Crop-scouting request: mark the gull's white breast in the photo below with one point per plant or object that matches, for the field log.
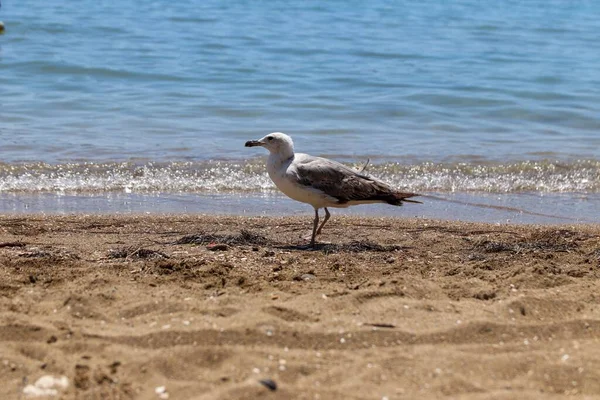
(284, 176)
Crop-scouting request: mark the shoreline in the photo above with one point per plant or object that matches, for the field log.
(520, 208)
(207, 306)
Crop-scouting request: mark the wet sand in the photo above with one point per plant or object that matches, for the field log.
(384, 308)
(517, 208)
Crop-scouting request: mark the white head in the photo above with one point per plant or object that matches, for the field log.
(276, 142)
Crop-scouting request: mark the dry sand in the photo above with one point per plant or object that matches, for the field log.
(391, 308)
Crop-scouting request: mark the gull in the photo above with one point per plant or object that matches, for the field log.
(320, 182)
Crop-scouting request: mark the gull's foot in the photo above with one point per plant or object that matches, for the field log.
(307, 238)
(307, 243)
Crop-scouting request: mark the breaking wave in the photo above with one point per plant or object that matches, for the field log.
(250, 176)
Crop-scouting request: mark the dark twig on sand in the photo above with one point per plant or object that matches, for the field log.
(245, 237)
(136, 253)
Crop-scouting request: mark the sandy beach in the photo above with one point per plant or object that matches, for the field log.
(384, 308)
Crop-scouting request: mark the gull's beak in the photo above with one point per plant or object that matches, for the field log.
(253, 143)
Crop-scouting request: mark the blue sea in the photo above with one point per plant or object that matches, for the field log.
(490, 108)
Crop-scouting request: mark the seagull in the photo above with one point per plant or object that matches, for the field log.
(320, 182)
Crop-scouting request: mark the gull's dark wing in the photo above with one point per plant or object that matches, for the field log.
(345, 184)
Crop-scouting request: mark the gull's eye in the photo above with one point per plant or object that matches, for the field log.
(270, 138)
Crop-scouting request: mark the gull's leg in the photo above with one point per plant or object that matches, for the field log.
(327, 215)
(315, 224)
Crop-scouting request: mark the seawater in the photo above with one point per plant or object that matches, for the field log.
(150, 98)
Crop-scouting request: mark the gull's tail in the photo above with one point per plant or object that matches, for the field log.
(397, 198)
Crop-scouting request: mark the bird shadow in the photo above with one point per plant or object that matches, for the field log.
(246, 237)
